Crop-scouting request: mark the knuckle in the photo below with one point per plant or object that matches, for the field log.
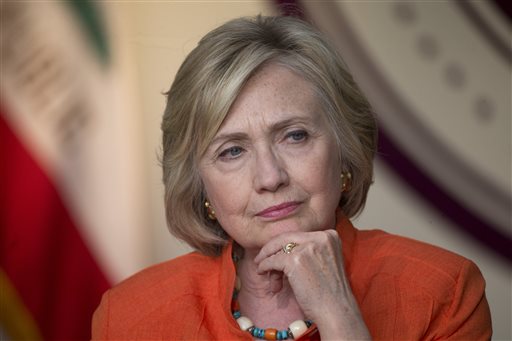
(332, 234)
(309, 248)
(327, 237)
(297, 259)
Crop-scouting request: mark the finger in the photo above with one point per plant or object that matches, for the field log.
(276, 281)
(275, 246)
(273, 263)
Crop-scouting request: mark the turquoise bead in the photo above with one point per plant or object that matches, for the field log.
(282, 335)
(261, 333)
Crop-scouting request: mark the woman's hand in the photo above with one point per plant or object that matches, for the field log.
(315, 272)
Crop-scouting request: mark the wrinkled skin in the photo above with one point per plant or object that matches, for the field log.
(272, 176)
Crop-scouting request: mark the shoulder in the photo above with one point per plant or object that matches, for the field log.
(182, 274)
(408, 259)
(435, 290)
(145, 302)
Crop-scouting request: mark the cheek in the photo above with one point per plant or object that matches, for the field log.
(323, 179)
(227, 194)
(208, 187)
(324, 170)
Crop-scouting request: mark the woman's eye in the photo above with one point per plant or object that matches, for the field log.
(297, 136)
(231, 153)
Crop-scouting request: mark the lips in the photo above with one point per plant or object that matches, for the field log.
(279, 211)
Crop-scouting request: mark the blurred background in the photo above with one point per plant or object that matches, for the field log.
(81, 203)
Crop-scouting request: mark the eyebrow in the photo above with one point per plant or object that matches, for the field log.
(273, 127)
(229, 136)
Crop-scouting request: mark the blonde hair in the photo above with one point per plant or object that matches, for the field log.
(209, 81)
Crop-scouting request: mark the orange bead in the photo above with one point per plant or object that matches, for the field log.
(270, 334)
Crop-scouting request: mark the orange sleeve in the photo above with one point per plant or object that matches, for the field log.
(427, 302)
(100, 319)
(179, 319)
(468, 317)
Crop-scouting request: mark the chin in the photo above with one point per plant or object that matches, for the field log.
(278, 228)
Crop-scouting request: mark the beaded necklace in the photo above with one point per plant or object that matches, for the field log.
(294, 331)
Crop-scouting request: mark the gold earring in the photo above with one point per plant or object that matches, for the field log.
(346, 181)
(210, 213)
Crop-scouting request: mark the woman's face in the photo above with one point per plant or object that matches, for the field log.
(273, 166)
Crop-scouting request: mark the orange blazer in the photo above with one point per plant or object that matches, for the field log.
(406, 290)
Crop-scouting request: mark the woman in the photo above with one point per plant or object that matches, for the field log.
(267, 152)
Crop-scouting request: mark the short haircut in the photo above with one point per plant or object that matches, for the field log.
(209, 81)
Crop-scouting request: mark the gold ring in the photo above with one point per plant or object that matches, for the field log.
(289, 247)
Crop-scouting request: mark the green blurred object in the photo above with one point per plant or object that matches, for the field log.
(92, 21)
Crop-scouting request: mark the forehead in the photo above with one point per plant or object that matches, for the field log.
(274, 93)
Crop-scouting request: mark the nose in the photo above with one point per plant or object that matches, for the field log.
(269, 171)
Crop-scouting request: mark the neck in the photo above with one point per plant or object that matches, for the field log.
(261, 286)
(266, 298)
